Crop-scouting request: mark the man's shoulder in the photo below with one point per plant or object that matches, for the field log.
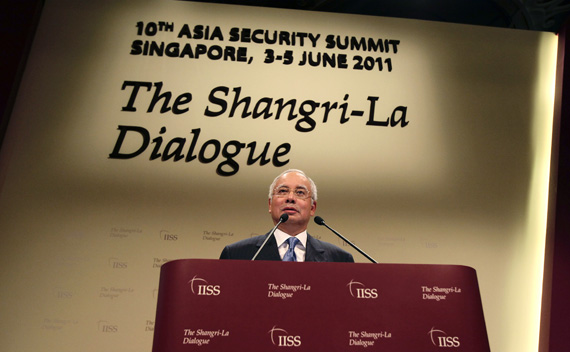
(322, 244)
(247, 241)
(243, 249)
(330, 251)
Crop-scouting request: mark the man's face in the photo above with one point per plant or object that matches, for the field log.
(299, 210)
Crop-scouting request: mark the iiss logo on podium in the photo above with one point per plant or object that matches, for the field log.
(201, 287)
(440, 338)
(281, 338)
(359, 290)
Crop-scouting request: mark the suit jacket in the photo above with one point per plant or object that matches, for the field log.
(317, 251)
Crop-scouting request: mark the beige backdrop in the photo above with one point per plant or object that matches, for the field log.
(84, 235)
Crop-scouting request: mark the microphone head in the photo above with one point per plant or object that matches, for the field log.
(284, 217)
(319, 220)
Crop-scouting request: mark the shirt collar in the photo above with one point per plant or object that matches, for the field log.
(281, 237)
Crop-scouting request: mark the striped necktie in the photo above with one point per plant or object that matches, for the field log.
(290, 255)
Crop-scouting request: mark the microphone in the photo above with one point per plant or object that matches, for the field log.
(320, 221)
(284, 217)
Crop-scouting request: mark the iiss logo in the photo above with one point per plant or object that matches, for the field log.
(359, 290)
(166, 235)
(201, 287)
(106, 327)
(116, 263)
(439, 338)
(281, 338)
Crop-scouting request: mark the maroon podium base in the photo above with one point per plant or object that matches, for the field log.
(227, 305)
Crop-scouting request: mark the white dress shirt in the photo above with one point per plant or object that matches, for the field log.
(282, 244)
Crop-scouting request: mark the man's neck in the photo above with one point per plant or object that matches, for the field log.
(292, 230)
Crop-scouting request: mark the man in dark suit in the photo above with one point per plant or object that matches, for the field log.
(295, 194)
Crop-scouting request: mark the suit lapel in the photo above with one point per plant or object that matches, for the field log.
(315, 252)
(270, 251)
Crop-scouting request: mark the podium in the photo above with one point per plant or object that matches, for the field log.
(235, 305)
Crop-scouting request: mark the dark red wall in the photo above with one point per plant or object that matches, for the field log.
(558, 270)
